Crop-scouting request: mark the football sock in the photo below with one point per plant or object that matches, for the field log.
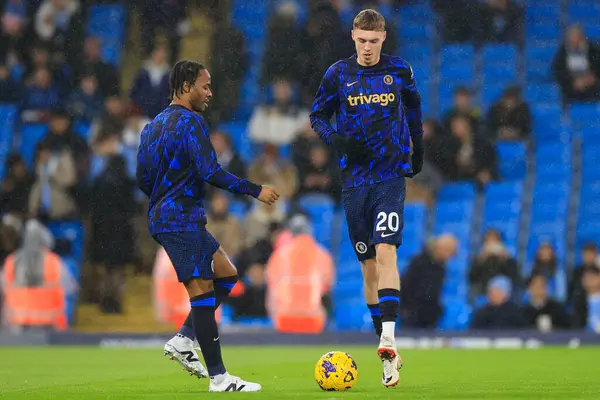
(207, 332)
(376, 317)
(187, 329)
(223, 287)
(389, 301)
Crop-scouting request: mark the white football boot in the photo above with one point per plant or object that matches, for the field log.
(230, 383)
(391, 361)
(182, 349)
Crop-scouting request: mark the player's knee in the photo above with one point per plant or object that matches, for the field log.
(386, 255)
(197, 287)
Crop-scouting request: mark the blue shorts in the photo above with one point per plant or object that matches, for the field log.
(375, 214)
(190, 252)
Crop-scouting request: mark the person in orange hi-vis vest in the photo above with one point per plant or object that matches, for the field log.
(298, 275)
(35, 282)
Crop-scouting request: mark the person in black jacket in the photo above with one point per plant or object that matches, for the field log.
(577, 67)
(423, 281)
(577, 296)
(500, 312)
(542, 312)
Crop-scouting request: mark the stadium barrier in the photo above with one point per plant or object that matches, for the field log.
(404, 339)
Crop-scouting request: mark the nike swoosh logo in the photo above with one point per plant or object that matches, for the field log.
(387, 234)
(351, 83)
(215, 339)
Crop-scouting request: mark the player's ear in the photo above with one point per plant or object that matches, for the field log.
(352, 34)
(186, 87)
(384, 36)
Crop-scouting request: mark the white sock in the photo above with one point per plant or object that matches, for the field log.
(218, 379)
(388, 329)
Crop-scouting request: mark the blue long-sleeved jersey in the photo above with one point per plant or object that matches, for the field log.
(379, 105)
(175, 158)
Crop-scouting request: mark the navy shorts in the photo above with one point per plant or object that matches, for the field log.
(375, 214)
(190, 252)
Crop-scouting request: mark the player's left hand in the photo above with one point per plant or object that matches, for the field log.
(268, 195)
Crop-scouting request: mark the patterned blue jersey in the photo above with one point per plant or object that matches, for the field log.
(379, 105)
(175, 158)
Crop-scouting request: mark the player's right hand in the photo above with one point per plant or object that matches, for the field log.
(268, 195)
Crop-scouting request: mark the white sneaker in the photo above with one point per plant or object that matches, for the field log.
(391, 361)
(230, 383)
(181, 349)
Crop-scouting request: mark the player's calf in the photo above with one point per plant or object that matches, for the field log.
(371, 285)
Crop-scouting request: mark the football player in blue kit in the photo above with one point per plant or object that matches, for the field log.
(378, 116)
(175, 161)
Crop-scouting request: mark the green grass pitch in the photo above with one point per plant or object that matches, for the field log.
(287, 372)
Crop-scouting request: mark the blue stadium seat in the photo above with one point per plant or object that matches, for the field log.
(416, 14)
(545, 93)
(321, 209)
(457, 74)
(31, 134)
(542, 32)
(547, 120)
(492, 92)
(457, 54)
(499, 73)
(592, 31)
(238, 208)
(512, 160)
(552, 153)
(457, 191)
(548, 13)
(415, 34)
(543, 54)
(499, 54)
(585, 115)
(584, 12)
(71, 231)
(538, 72)
(590, 136)
(497, 191)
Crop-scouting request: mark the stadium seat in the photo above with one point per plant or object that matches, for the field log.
(71, 231)
(542, 54)
(460, 54)
(543, 13)
(457, 191)
(579, 12)
(499, 54)
(31, 134)
(321, 209)
(512, 160)
(585, 115)
(542, 94)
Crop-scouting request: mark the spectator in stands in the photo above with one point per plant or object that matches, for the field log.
(306, 138)
(15, 187)
(591, 284)
(577, 67)
(270, 167)
(321, 176)
(277, 123)
(10, 235)
(460, 20)
(60, 73)
(326, 42)
(423, 281)
(545, 262)
(111, 122)
(259, 223)
(463, 107)
(229, 63)
(59, 23)
(284, 46)
(50, 196)
(502, 21)
(167, 16)
(61, 137)
(40, 97)
(106, 75)
(113, 244)
(500, 312)
(510, 118)
(473, 157)
(29, 265)
(13, 28)
(262, 248)
(150, 91)
(493, 260)
(251, 303)
(422, 188)
(10, 89)
(223, 226)
(577, 296)
(85, 103)
(543, 313)
(227, 157)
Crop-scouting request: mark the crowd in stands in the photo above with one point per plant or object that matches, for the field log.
(83, 164)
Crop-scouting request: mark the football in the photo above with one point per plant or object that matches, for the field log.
(336, 371)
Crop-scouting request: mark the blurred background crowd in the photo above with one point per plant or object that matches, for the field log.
(502, 226)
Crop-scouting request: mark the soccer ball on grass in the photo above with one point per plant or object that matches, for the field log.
(336, 371)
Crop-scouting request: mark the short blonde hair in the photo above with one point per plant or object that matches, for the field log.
(369, 20)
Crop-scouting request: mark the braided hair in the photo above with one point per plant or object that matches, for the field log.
(182, 72)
